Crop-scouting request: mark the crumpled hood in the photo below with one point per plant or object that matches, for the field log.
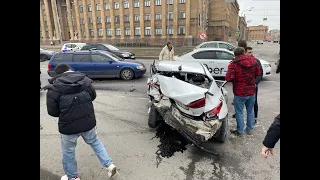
(244, 61)
(69, 82)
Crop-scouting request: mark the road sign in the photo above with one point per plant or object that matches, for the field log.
(202, 36)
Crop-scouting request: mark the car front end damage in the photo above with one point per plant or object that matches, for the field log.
(197, 110)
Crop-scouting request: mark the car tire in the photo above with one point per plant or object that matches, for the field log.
(43, 57)
(126, 74)
(223, 131)
(154, 117)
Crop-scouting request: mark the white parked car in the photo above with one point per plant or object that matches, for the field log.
(216, 44)
(185, 96)
(217, 60)
(260, 42)
(72, 47)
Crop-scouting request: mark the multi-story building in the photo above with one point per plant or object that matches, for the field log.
(136, 21)
(257, 32)
(242, 28)
(274, 34)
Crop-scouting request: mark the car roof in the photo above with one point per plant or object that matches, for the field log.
(209, 48)
(192, 67)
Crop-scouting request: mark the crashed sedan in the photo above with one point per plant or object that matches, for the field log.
(185, 96)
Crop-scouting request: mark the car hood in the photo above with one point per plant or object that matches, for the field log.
(263, 61)
(48, 51)
(122, 52)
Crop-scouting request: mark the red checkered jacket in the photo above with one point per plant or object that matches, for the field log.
(242, 72)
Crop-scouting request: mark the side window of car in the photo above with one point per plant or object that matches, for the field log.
(224, 55)
(73, 46)
(86, 47)
(203, 55)
(224, 46)
(211, 45)
(81, 58)
(98, 58)
(62, 57)
(101, 47)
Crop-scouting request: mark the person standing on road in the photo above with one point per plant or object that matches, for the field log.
(167, 53)
(242, 72)
(69, 97)
(272, 137)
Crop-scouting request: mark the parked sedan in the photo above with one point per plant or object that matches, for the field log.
(217, 60)
(46, 54)
(98, 64)
(124, 54)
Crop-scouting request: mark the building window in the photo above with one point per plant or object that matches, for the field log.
(169, 1)
(89, 8)
(147, 31)
(182, 15)
(83, 32)
(107, 6)
(158, 31)
(137, 31)
(118, 32)
(147, 17)
(117, 19)
(109, 32)
(181, 30)
(147, 3)
(127, 32)
(137, 17)
(116, 5)
(182, 1)
(158, 2)
(126, 4)
(90, 20)
(100, 33)
(81, 21)
(158, 16)
(99, 19)
(98, 7)
(170, 15)
(126, 18)
(108, 20)
(136, 3)
(81, 8)
(170, 30)
(91, 32)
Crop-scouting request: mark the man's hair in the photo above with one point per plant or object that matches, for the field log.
(248, 48)
(242, 43)
(168, 43)
(61, 68)
(239, 51)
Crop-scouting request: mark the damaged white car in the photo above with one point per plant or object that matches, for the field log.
(185, 96)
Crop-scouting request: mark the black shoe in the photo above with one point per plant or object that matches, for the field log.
(255, 121)
(234, 116)
(235, 132)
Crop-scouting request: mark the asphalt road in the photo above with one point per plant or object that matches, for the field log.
(122, 126)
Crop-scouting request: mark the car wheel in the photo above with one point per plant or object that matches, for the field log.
(43, 57)
(126, 74)
(223, 131)
(154, 117)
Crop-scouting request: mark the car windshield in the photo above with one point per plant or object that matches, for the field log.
(113, 56)
(112, 48)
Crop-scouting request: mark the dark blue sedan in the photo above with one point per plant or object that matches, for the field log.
(98, 64)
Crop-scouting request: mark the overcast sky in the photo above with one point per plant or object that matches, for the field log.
(261, 8)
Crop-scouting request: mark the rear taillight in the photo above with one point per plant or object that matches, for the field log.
(198, 103)
(214, 112)
(49, 67)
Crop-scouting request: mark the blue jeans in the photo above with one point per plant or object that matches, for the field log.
(239, 102)
(68, 145)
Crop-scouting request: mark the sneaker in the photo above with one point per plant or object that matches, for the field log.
(65, 177)
(111, 170)
(235, 132)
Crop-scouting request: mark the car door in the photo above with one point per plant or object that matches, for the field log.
(205, 57)
(83, 63)
(222, 59)
(104, 67)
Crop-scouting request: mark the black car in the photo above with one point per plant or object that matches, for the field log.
(46, 54)
(124, 54)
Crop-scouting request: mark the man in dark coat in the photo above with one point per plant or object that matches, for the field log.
(69, 97)
(272, 137)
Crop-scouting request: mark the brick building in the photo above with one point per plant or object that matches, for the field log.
(257, 32)
(135, 21)
(243, 33)
(274, 34)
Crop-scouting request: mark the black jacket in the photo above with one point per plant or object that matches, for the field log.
(70, 97)
(278, 67)
(258, 78)
(273, 134)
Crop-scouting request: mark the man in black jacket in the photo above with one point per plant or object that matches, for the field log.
(69, 97)
(272, 137)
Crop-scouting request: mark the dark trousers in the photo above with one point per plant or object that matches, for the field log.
(256, 104)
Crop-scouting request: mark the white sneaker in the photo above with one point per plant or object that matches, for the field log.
(65, 177)
(111, 170)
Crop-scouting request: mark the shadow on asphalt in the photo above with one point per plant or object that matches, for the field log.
(46, 175)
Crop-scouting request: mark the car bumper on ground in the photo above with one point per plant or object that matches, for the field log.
(140, 72)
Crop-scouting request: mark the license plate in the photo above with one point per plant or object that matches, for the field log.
(132, 56)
